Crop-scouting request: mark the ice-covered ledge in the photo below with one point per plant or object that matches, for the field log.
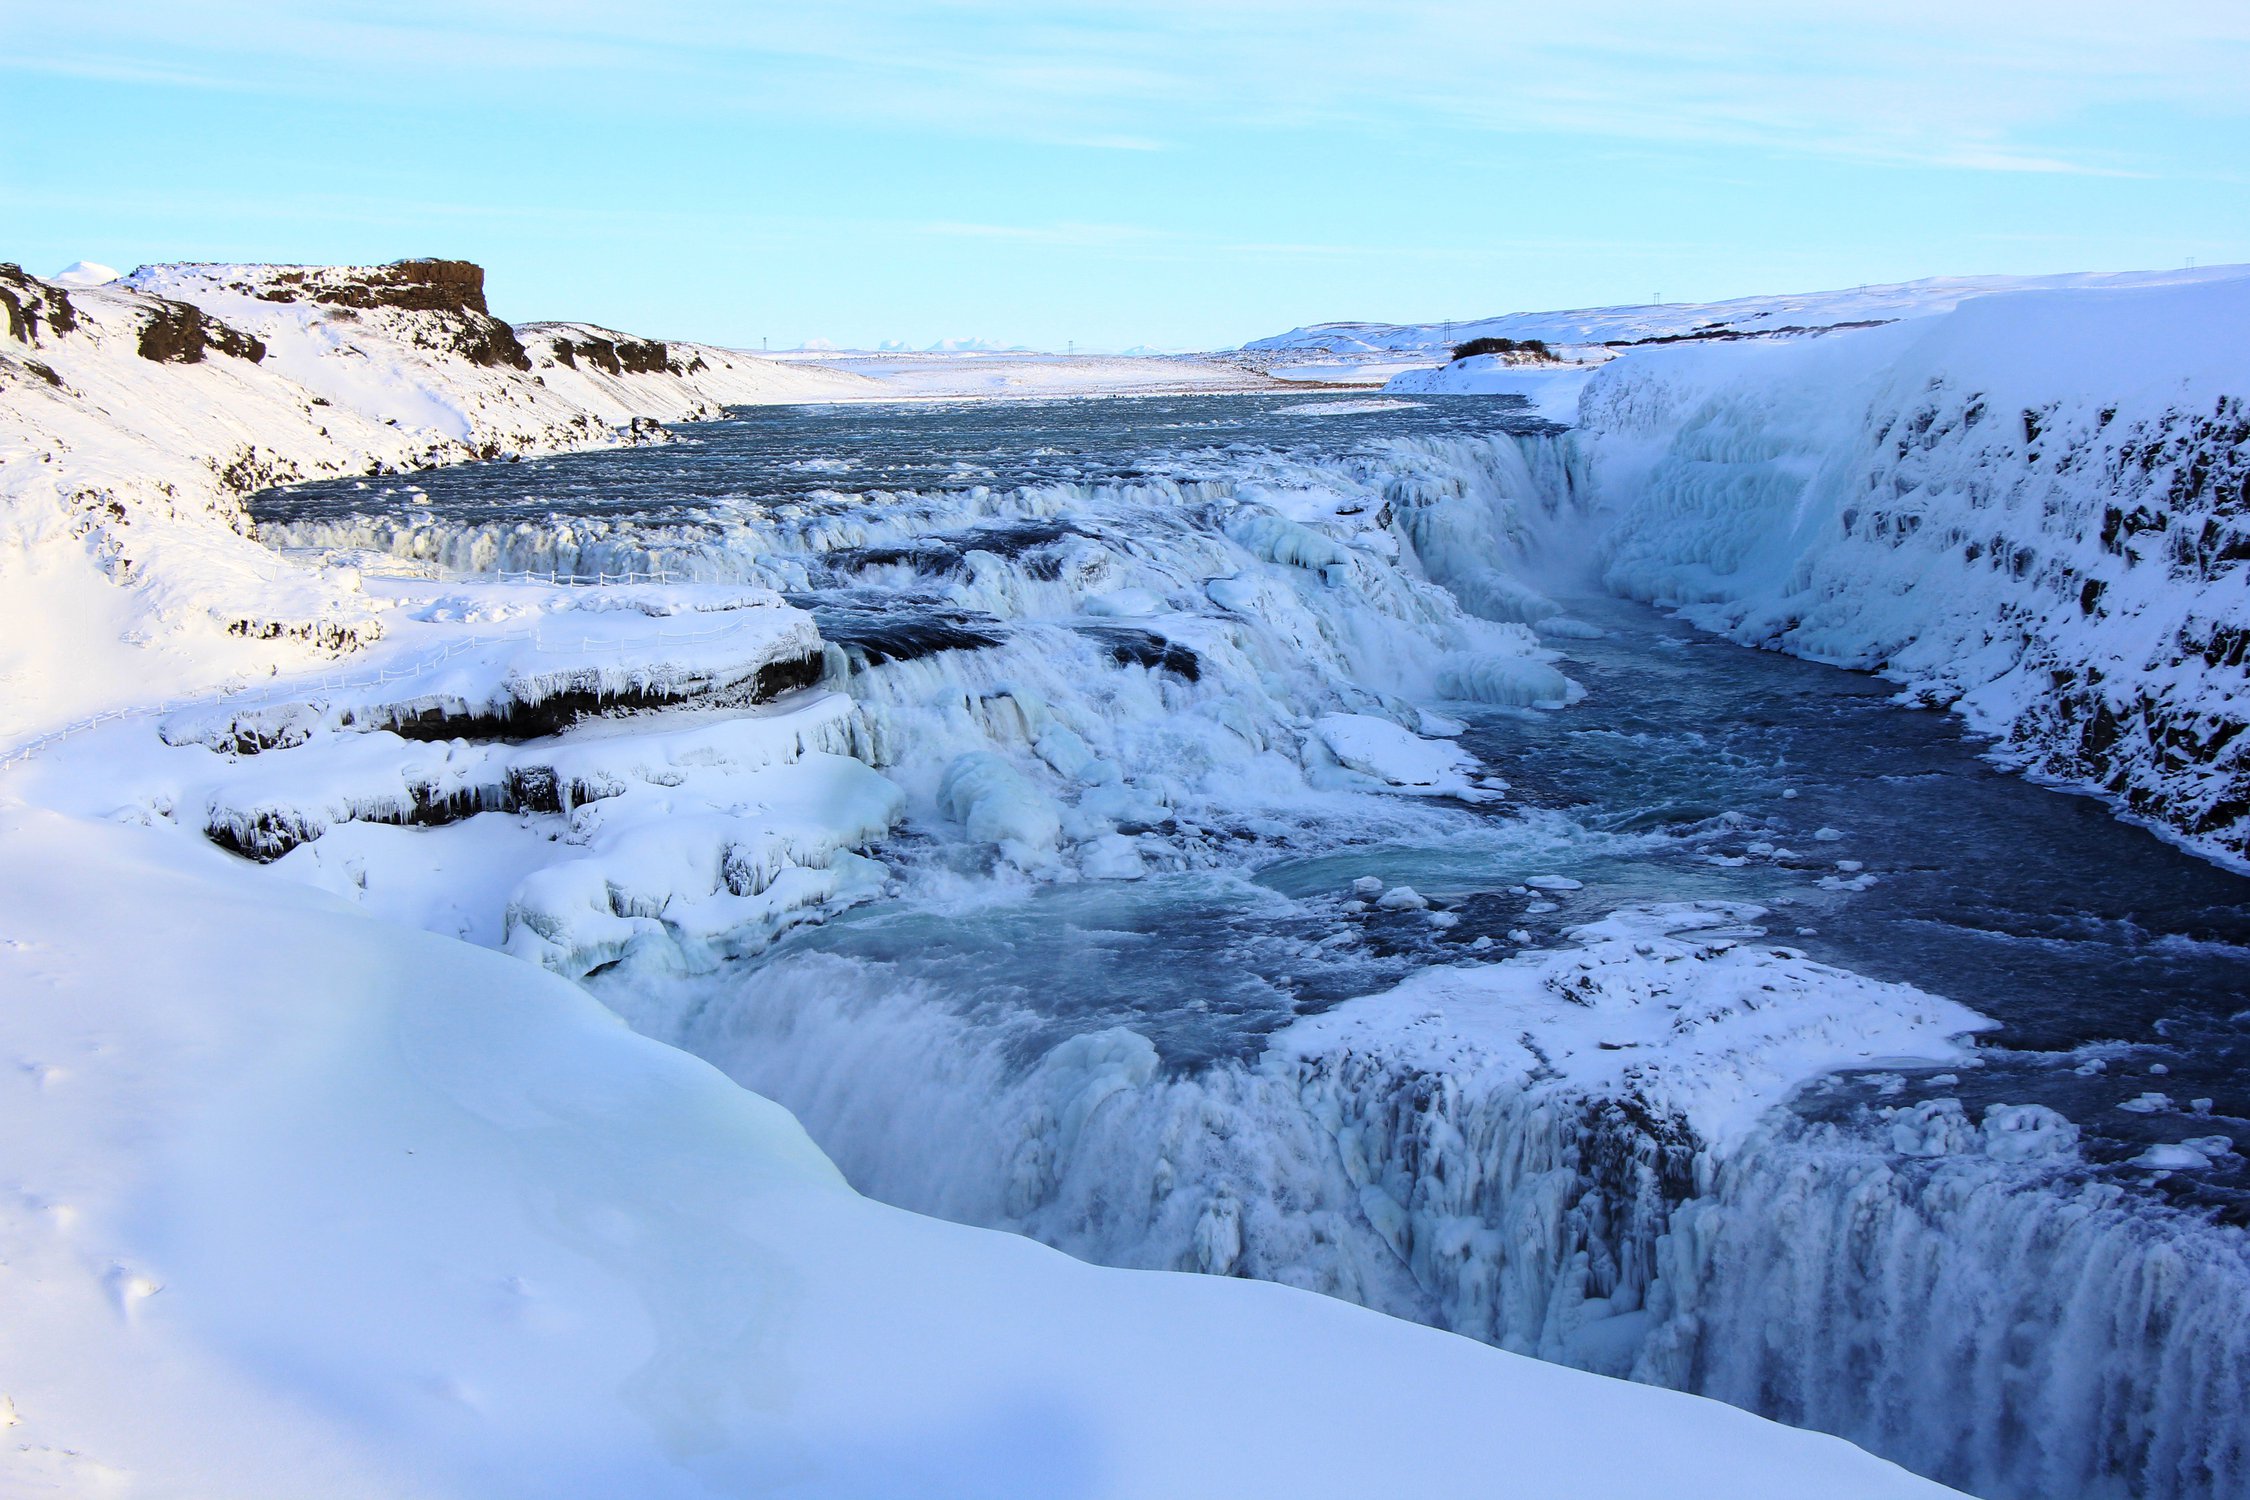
(514, 1250)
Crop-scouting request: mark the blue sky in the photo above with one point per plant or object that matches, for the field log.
(1176, 174)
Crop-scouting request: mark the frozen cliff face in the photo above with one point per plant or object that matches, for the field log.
(2035, 509)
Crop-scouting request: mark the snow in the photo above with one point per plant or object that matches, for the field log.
(434, 1224)
(124, 557)
(448, 773)
(1672, 1005)
(2014, 495)
(84, 273)
(693, 840)
(120, 482)
(2021, 508)
(439, 1225)
(975, 372)
(1351, 344)
(1379, 748)
(1492, 1147)
(1551, 391)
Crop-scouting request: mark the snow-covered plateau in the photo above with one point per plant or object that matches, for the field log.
(1199, 831)
(2024, 498)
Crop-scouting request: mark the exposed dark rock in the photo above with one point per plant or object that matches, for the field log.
(326, 635)
(872, 637)
(944, 556)
(272, 832)
(516, 721)
(617, 356)
(180, 333)
(454, 289)
(455, 286)
(1730, 335)
(1129, 647)
(34, 308)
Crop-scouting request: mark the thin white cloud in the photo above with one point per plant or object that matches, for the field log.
(1998, 86)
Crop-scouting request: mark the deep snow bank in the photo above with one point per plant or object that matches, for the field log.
(439, 1226)
(135, 415)
(2035, 508)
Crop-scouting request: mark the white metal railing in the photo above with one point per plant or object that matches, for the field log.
(578, 580)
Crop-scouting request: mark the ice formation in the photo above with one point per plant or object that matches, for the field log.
(1571, 1148)
(2031, 509)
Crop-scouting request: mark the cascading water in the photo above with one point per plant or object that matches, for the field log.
(1971, 1300)
(1105, 648)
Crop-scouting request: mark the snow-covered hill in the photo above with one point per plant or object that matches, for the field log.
(135, 415)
